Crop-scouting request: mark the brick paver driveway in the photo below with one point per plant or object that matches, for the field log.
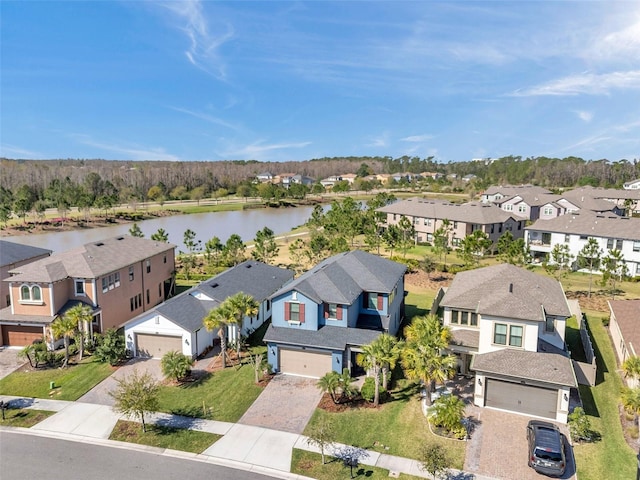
(286, 404)
(9, 361)
(498, 447)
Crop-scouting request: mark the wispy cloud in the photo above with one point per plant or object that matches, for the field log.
(585, 83)
(134, 152)
(584, 115)
(417, 138)
(203, 51)
(209, 118)
(257, 150)
(378, 141)
(13, 151)
(619, 43)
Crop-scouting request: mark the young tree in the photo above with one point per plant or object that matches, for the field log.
(135, 231)
(258, 363)
(265, 247)
(390, 349)
(447, 412)
(321, 434)
(242, 305)
(559, 262)
(297, 254)
(391, 236)
(136, 395)
(221, 317)
(330, 383)
(434, 459)
(580, 426)
(110, 347)
(589, 257)
(23, 201)
(176, 365)
(160, 236)
(65, 327)
(614, 269)
(234, 250)
(6, 204)
(213, 249)
(474, 247)
(441, 239)
(407, 234)
(351, 456)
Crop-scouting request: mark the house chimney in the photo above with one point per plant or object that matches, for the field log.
(511, 288)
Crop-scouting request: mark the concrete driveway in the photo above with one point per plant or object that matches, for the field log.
(286, 404)
(100, 393)
(498, 446)
(9, 361)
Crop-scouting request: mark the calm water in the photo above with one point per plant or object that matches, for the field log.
(206, 226)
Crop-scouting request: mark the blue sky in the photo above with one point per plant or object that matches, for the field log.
(276, 81)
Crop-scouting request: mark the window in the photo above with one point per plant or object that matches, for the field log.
(547, 211)
(455, 242)
(148, 297)
(546, 238)
(583, 237)
(427, 221)
(8, 299)
(105, 285)
(429, 237)
(500, 334)
(116, 280)
(474, 319)
(464, 318)
(522, 208)
(30, 294)
(148, 263)
(636, 246)
(508, 207)
(515, 336)
(609, 243)
(567, 237)
(618, 244)
(79, 284)
(165, 259)
(549, 325)
(455, 225)
(294, 312)
(160, 290)
(130, 274)
(372, 301)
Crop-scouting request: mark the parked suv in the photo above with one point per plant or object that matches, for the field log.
(546, 448)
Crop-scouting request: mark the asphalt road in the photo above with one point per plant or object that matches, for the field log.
(25, 456)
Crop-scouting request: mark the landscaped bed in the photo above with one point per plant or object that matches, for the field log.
(69, 383)
(163, 437)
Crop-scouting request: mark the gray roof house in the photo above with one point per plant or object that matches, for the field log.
(321, 319)
(177, 323)
(13, 255)
(624, 328)
(508, 327)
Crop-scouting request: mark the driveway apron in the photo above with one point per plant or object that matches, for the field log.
(9, 361)
(286, 404)
(100, 393)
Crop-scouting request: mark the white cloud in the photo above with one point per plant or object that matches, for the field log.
(584, 83)
(208, 118)
(13, 151)
(379, 141)
(619, 44)
(584, 115)
(417, 138)
(256, 150)
(204, 44)
(134, 152)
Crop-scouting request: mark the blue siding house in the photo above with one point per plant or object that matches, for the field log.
(321, 319)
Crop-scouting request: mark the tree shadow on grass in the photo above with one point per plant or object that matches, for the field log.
(404, 393)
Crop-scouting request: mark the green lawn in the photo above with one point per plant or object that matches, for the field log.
(310, 464)
(224, 395)
(163, 437)
(595, 461)
(398, 425)
(23, 417)
(70, 383)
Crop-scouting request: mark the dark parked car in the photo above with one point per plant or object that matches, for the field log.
(546, 448)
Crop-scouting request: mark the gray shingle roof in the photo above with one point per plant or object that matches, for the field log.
(465, 338)
(478, 213)
(507, 291)
(586, 199)
(591, 224)
(91, 260)
(251, 277)
(521, 364)
(343, 277)
(6, 315)
(627, 315)
(509, 190)
(329, 337)
(11, 252)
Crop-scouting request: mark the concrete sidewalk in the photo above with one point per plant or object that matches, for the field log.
(252, 446)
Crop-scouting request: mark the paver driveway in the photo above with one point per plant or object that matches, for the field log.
(100, 393)
(498, 447)
(286, 404)
(9, 361)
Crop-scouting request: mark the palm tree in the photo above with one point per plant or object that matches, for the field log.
(82, 315)
(66, 328)
(448, 412)
(390, 349)
(220, 318)
(631, 367)
(176, 365)
(422, 357)
(631, 401)
(243, 305)
(370, 360)
(330, 383)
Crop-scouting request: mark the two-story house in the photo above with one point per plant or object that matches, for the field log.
(118, 278)
(508, 326)
(321, 319)
(176, 324)
(624, 324)
(612, 232)
(464, 218)
(13, 255)
(632, 185)
(498, 192)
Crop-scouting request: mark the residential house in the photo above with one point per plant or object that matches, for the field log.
(118, 278)
(609, 230)
(508, 327)
(469, 177)
(349, 177)
(177, 324)
(532, 206)
(13, 255)
(429, 215)
(588, 198)
(264, 177)
(329, 182)
(498, 192)
(624, 327)
(632, 185)
(322, 319)
(625, 200)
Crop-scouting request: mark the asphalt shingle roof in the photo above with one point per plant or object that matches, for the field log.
(507, 291)
(510, 190)
(11, 252)
(327, 336)
(478, 213)
(522, 364)
(627, 314)
(91, 260)
(343, 277)
(591, 224)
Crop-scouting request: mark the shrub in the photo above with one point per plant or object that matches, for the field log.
(369, 388)
(110, 347)
(176, 365)
(580, 427)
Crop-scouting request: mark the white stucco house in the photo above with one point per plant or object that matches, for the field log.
(508, 327)
(632, 185)
(177, 323)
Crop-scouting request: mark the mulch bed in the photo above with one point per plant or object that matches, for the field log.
(432, 281)
(328, 405)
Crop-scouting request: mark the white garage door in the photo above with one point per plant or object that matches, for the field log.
(302, 362)
(156, 345)
(515, 397)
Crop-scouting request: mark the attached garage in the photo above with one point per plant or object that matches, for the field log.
(305, 363)
(20, 336)
(515, 397)
(149, 345)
